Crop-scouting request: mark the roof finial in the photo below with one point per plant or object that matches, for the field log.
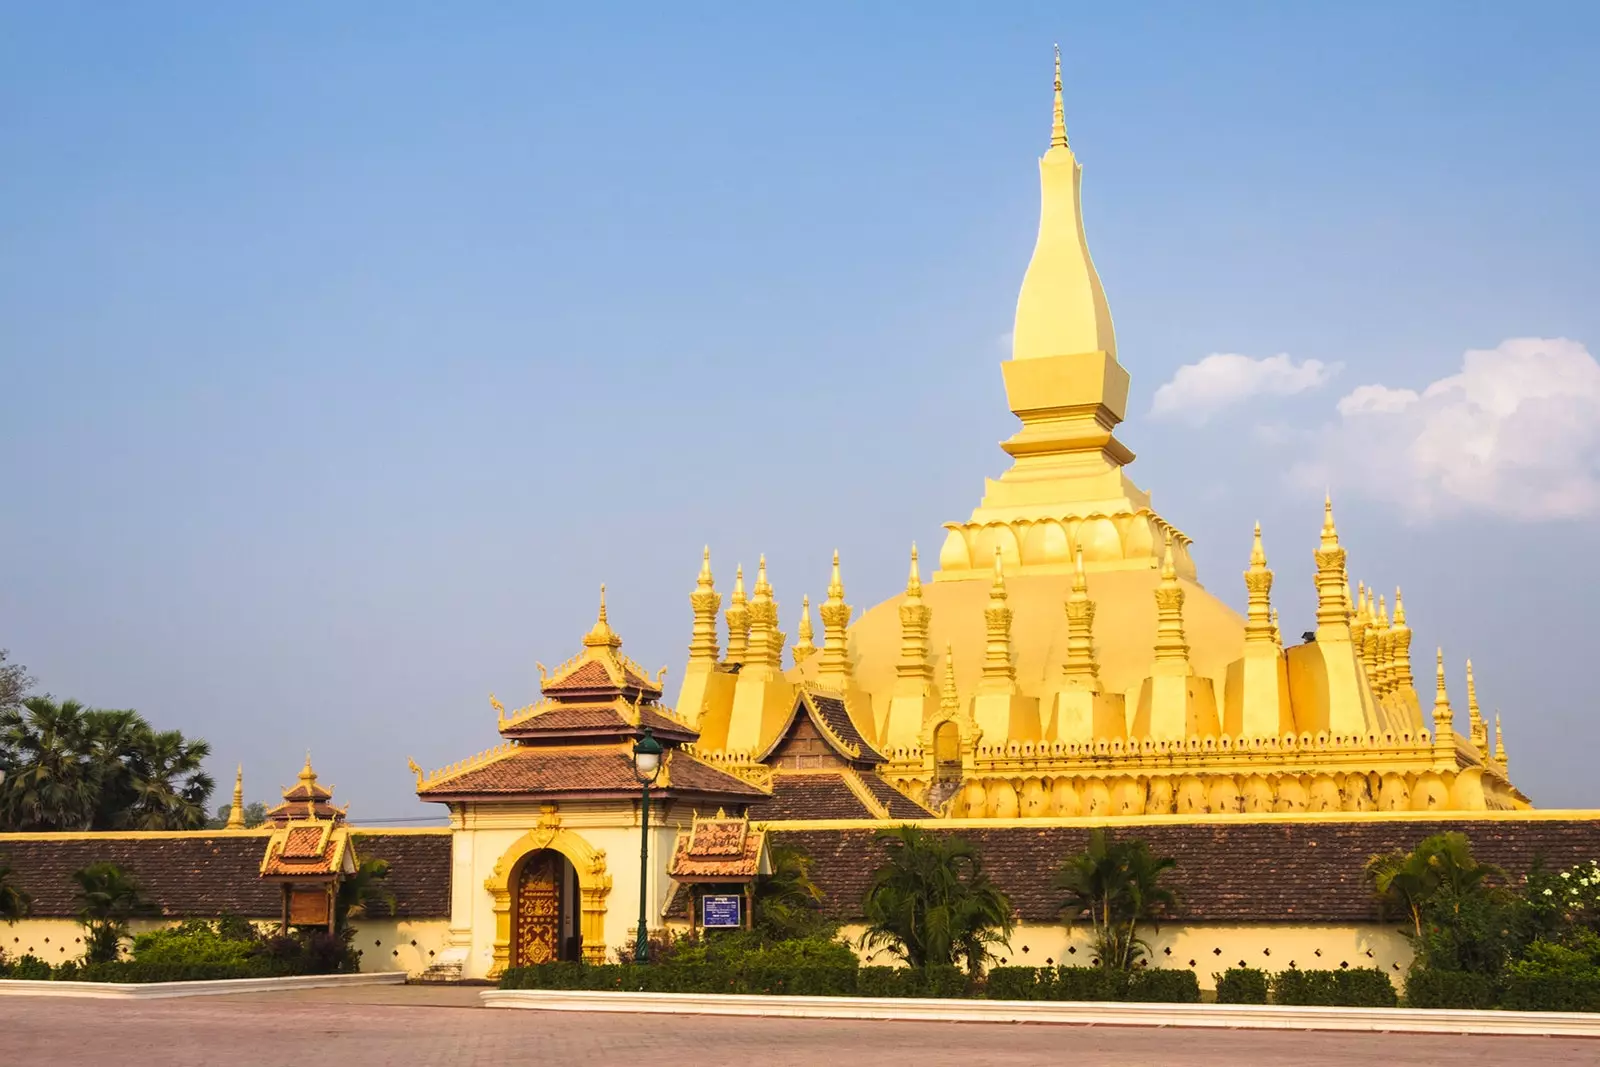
(1258, 555)
(999, 574)
(804, 648)
(601, 634)
(835, 583)
(1058, 127)
(704, 580)
(1499, 745)
(763, 587)
(914, 582)
(1080, 582)
(1169, 570)
(306, 773)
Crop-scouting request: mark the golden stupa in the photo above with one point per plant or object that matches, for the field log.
(1065, 660)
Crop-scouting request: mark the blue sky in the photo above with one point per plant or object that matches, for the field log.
(348, 350)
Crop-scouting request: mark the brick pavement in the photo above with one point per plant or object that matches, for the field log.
(432, 1027)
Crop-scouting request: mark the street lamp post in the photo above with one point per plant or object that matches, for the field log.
(646, 768)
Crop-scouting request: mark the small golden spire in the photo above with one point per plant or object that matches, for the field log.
(704, 601)
(914, 582)
(1171, 642)
(1080, 666)
(1330, 532)
(1443, 717)
(833, 667)
(1080, 581)
(1058, 124)
(1258, 555)
(1258, 625)
(915, 667)
(763, 587)
(602, 636)
(306, 773)
(1477, 729)
(804, 648)
(998, 588)
(999, 672)
(949, 699)
(1169, 570)
(1499, 745)
(738, 616)
(1399, 609)
(236, 812)
(1277, 633)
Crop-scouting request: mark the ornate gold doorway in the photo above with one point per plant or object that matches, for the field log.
(544, 928)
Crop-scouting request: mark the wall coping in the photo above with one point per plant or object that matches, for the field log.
(11, 987)
(1233, 1016)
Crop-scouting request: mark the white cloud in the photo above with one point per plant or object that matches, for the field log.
(1200, 390)
(1516, 433)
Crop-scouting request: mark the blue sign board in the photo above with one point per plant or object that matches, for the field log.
(720, 911)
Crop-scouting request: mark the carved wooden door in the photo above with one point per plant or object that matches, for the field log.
(538, 938)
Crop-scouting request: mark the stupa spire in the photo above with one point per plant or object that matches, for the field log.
(236, 812)
(1499, 746)
(738, 616)
(1333, 590)
(803, 648)
(1172, 646)
(1444, 734)
(1058, 122)
(999, 672)
(765, 643)
(833, 667)
(705, 600)
(1258, 588)
(1081, 668)
(914, 669)
(1400, 634)
(1477, 728)
(948, 697)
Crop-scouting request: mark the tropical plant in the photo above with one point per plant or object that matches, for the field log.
(1116, 886)
(14, 681)
(255, 813)
(108, 897)
(69, 767)
(1459, 919)
(14, 900)
(788, 904)
(362, 893)
(933, 904)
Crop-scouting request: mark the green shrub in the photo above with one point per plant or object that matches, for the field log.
(1548, 992)
(1355, 987)
(1429, 988)
(28, 968)
(137, 971)
(1017, 983)
(1087, 983)
(194, 942)
(945, 981)
(805, 980)
(1163, 986)
(1241, 985)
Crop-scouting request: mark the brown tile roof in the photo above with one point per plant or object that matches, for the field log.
(833, 711)
(810, 796)
(202, 874)
(717, 849)
(1227, 872)
(898, 804)
(585, 769)
(827, 709)
(305, 850)
(288, 811)
(566, 721)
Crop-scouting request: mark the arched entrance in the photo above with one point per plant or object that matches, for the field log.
(593, 886)
(545, 923)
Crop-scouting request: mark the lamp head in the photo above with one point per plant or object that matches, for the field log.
(647, 756)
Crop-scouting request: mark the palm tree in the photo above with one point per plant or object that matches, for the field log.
(74, 768)
(933, 904)
(1439, 871)
(14, 900)
(362, 893)
(108, 897)
(1117, 886)
(52, 783)
(787, 902)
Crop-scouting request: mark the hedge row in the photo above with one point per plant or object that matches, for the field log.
(1355, 987)
(1426, 988)
(1093, 984)
(31, 968)
(844, 980)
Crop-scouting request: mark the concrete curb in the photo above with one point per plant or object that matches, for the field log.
(1230, 1016)
(164, 990)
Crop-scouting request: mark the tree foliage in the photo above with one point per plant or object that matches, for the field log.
(933, 904)
(108, 897)
(255, 813)
(14, 900)
(362, 893)
(1116, 886)
(788, 904)
(14, 681)
(69, 767)
(1459, 918)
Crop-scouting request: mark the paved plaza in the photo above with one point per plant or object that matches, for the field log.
(445, 1027)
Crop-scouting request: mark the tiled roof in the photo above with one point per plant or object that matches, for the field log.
(288, 811)
(717, 849)
(205, 875)
(305, 849)
(597, 720)
(898, 804)
(810, 796)
(833, 711)
(580, 769)
(1226, 872)
(827, 709)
